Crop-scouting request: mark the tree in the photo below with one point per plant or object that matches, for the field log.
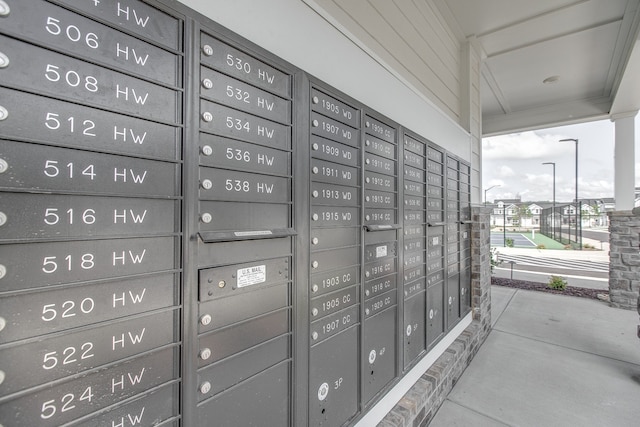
(523, 211)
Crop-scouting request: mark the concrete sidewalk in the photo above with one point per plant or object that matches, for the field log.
(550, 360)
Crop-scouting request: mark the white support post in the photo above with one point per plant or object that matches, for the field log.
(624, 163)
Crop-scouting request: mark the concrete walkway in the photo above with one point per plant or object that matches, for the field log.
(550, 360)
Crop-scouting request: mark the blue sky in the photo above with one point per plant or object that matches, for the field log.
(515, 162)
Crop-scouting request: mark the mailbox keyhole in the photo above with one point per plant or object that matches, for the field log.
(323, 410)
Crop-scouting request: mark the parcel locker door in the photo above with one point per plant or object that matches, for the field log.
(435, 313)
(414, 327)
(453, 299)
(378, 355)
(333, 379)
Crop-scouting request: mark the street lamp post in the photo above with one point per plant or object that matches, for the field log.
(578, 211)
(485, 192)
(553, 215)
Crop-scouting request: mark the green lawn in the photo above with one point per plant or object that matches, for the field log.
(548, 243)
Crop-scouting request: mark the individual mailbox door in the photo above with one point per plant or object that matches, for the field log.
(147, 372)
(333, 379)
(237, 217)
(238, 337)
(414, 327)
(226, 153)
(332, 238)
(326, 149)
(332, 280)
(233, 370)
(261, 400)
(334, 195)
(379, 352)
(453, 299)
(435, 313)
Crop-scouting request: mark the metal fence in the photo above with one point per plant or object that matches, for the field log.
(562, 224)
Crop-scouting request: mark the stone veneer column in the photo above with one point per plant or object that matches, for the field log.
(481, 266)
(624, 258)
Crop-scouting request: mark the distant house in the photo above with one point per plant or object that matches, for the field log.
(515, 213)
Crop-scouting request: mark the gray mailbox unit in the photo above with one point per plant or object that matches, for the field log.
(194, 232)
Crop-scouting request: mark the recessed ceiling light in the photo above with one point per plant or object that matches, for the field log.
(551, 80)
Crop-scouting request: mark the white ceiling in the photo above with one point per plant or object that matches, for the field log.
(588, 46)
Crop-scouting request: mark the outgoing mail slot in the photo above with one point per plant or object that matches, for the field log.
(379, 129)
(234, 370)
(332, 238)
(414, 327)
(227, 153)
(435, 314)
(414, 145)
(322, 283)
(225, 253)
(220, 184)
(379, 147)
(239, 216)
(376, 181)
(380, 250)
(222, 57)
(411, 274)
(335, 301)
(412, 245)
(334, 259)
(379, 352)
(412, 288)
(414, 202)
(333, 151)
(335, 195)
(414, 160)
(413, 174)
(374, 288)
(71, 125)
(380, 199)
(261, 400)
(380, 216)
(146, 372)
(39, 167)
(334, 362)
(221, 312)
(102, 44)
(338, 110)
(329, 216)
(227, 122)
(32, 314)
(242, 336)
(42, 361)
(333, 173)
(163, 28)
(334, 324)
(60, 216)
(34, 265)
(414, 217)
(379, 164)
(336, 131)
(220, 88)
(81, 81)
(413, 258)
(238, 279)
